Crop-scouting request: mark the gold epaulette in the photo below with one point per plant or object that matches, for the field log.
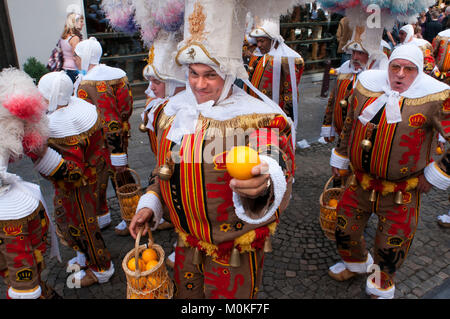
(439, 96)
(243, 122)
(110, 82)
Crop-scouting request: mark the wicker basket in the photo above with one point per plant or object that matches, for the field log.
(128, 195)
(150, 284)
(328, 215)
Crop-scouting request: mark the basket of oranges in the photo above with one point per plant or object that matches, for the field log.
(146, 274)
(128, 196)
(328, 202)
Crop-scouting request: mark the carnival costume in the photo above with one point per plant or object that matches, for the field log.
(387, 138)
(109, 90)
(276, 74)
(24, 223)
(76, 153)
(429, 63)
(441, 45)
(336, 109)
(219, 253)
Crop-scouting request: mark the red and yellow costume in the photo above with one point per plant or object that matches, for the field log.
(441, 45)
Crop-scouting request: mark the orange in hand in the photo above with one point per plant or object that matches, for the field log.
(240, 160)
(439, 150)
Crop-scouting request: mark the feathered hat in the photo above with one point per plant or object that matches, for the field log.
(23, 124)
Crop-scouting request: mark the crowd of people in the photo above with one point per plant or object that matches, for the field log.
(388, 110)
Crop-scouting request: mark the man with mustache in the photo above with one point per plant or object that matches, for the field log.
(392, 120)
(336, 109)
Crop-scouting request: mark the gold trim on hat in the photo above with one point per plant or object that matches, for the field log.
(201, 46)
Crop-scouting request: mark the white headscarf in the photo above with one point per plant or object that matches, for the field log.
(57, 88)
(90, 51)
(409, 30)
(378, 80)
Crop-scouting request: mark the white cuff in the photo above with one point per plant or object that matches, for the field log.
(442, 139)
(327, 131)
(104, 275)
(49, 162)
(104, 220)
(360, 268)
(279, 187)
(372, 289)
(150, 200)
(14, 294)
(338, 161)
(119, 159)
(436, 176)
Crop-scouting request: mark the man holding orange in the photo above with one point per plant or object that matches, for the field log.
(223, 223)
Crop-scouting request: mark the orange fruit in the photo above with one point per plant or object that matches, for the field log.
(240, 160)
(149, 254)
(333, 203)
(132, 264)
(153, 282)
(439, 150)
(152, 263)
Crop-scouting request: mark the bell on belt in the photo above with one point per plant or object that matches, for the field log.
(235, 258)
(366, 145)
(373, 196)
(165, 172)
(398, 199)
(352, 180)
(343, 103)
(143, 128)
(268, 245)
(197, 257)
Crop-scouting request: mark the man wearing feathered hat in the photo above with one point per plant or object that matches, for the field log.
(109, 90)
(76, 152)
(274, 68)
(167, 79)
(223, 223)
(364, 56)
(391, 123)
(24, 220)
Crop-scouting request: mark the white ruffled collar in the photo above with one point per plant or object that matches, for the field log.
(75, 118)
(102, 72)
(186, 110)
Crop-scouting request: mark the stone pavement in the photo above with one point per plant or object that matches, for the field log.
(297, 267)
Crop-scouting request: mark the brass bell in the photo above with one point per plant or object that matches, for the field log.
(366, 145)
(235, 258)
(197, 257)
(343, 103)
(143, 128)
(352, 180)
(373, 196)
(251, 69)
(398, 198)
(165, 172)
(268, 245)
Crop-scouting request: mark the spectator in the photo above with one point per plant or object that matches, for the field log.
(445, 22)
(433, 27)
(70, 37)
